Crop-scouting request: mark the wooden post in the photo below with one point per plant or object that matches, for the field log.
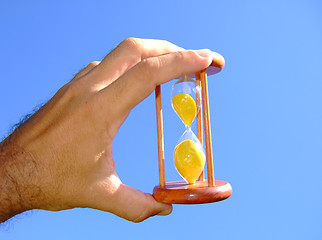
(160, 135)
(207, 128)
(199, 123)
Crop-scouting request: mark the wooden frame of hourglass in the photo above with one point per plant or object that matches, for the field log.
(203, 190)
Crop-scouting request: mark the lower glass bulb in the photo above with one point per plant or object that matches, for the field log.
(189, 157)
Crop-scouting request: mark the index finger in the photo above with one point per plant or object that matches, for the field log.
(139, 82)
(127, 54)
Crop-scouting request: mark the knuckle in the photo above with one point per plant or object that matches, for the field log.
(181, 55)
(185, 57)
(140, 218)
(93, 64)
(165, 42)
(131, 43)
(148, 68)
(69, 92)
(151, 64)
(145, 211)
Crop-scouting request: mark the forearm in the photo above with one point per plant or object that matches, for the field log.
(18, 190)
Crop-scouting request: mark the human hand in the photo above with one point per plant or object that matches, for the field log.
(61, 158)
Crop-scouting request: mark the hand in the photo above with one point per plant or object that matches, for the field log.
(61, 158)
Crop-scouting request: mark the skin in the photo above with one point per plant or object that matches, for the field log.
(61, 158)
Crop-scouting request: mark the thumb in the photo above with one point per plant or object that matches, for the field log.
(137, 206)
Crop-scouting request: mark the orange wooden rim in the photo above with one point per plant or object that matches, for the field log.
(218, 63)
(179, 192)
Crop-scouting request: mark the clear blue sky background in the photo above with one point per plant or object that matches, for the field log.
(266, 110)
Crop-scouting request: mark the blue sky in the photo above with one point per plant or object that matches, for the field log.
(266, 112)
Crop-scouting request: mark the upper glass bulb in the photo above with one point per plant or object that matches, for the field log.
(186, 99)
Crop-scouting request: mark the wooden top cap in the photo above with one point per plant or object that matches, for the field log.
(216, 66)
(218, 63)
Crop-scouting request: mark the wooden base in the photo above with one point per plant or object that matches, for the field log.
(179, 192)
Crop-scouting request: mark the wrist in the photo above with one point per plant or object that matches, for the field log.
(19, 191)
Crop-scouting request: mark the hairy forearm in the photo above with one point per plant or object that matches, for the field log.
(18, 190)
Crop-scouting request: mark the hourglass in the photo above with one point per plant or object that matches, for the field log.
(189, 155)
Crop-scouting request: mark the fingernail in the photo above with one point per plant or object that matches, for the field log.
(205, 53)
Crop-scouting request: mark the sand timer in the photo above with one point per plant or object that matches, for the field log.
(189, 155)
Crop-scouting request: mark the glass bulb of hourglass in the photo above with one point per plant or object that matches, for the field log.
(186, 99)
(189, 157)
